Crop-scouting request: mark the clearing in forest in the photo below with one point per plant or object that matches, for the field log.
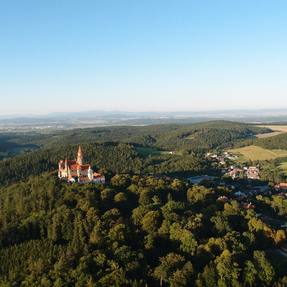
(276, 130)
(254, 153)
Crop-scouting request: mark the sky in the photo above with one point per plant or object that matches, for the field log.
(148, 55)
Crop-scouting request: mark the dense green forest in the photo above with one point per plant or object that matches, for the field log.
(118, 149)
(192, 137)
(136, 231)
(146, 226)
(110, 158)
(274, 142)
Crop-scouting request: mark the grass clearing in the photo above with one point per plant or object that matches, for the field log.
(276, 130)
(146, 151)
(254, 153)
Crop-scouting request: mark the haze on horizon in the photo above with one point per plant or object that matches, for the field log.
(59, 56)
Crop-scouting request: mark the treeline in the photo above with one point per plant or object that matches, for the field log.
(112, 157)
(275, 142)
(109, 158)
(191, 137)
(138, 231)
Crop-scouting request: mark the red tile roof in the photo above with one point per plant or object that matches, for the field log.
(74, 166)
(84, 167)
(98, 176)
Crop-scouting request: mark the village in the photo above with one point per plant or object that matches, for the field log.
(242, 180)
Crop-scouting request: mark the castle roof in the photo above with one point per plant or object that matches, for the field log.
(77, 166)
(72, 169)
(97, 175)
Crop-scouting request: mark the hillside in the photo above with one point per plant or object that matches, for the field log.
(147, 226)
(110, 157)
(137, 231)
(257, 153)
(151, 149)
(274, 142)
(199, 136)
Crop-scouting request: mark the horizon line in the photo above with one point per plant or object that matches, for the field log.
(112, 111)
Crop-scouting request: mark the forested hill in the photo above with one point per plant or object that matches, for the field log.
(200, 136)
(168, 137)
(137, 231)
(113, 157)
(121, 149)
(109, 158)
(274, 142)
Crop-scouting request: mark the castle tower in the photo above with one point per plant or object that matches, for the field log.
(80, 156)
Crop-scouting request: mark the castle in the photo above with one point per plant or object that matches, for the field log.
(76, 171)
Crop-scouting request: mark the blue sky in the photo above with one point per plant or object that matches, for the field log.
(148, 55)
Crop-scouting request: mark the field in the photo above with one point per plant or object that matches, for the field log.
(257, 153)
(276, 130)
(146, 151)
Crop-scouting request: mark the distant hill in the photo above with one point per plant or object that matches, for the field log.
(167, 148)
(72, 120)
(207, 135)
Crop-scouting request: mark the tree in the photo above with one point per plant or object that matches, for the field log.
(227, 269)
(249, 274)
(208, 278)
(151, 221)
(168, 266)
(265, 270)
(198, 193)
(185, 237)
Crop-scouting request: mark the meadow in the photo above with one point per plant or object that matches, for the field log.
(276, 130)
(255, 153)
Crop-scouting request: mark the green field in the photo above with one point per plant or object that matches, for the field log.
(276, 130)
(146, 151)
(257, 153)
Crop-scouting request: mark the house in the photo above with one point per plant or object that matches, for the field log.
(253, 173)
(77, 171)
(235, 173)
(281, 186)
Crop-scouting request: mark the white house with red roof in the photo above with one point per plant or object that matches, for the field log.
(76, 171)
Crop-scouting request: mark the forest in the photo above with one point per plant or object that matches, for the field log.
(275, 142)
(110, 158)
(187, 137)
(147, 226)
(136, 231)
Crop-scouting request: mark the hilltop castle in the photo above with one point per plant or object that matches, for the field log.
(76, 171)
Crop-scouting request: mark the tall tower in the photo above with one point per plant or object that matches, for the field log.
(80, 156)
